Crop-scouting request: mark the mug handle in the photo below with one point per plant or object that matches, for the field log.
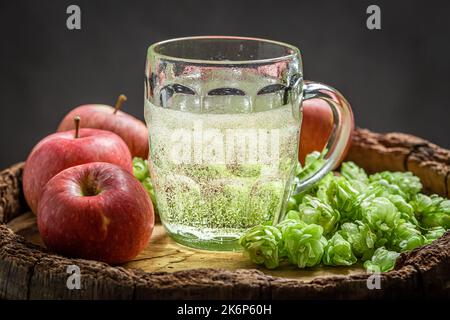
(342, 129)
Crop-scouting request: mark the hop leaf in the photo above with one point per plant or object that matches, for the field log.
(338, 252)
(382, 260)
(432, 211)
(360, 237)
(314, 211)
(304, 244)
(261, 245)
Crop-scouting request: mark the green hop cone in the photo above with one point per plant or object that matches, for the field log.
(406, 210)
(140, 169)
(314, 211)
(423, 204)
(291, 204)
(433, 234)
(321, 189)
(407, 184)
(141, 172)
(360, 237)
(293, 215)
(382, 217)
(313, 162)
(382, 187)
(293, 219)
(261, 245)
(338, 252)
(303, 244)
(364, 217)
(432, 211)
(382, 260)
(406, 237)
(282, 226)
(344, 198)
(352, 172)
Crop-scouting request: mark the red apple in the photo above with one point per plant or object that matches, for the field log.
(95, 211)
(317, 125)
(132, 130)
(63, 150)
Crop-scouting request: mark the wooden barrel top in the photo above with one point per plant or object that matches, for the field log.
(167, 270)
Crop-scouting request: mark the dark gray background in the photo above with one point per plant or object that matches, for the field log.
(397, 78)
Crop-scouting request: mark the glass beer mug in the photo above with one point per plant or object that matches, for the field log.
(224, 116)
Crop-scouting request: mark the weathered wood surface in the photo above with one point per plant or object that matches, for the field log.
(164, 255)
(402, 152)
(165, 271)
(12, 202)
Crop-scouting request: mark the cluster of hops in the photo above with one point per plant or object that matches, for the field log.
(352, 216)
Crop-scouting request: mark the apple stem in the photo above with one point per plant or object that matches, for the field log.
(77, 120)
(122, 98)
